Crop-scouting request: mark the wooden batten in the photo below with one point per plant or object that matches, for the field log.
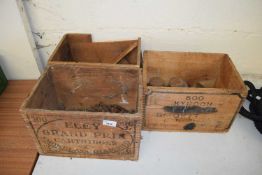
(125, 52)
(205, 109)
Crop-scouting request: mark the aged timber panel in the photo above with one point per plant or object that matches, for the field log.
(87, 136)
(192, 112)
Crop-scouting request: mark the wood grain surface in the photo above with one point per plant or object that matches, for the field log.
(80, 48)
(58, 111)
(210, 108)
(17, 149)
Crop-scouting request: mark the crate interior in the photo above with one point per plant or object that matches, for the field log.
(75, 88)
(193, 67)
(76, 49)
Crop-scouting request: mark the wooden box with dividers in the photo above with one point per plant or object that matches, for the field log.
(188, 91)
(87, 111)
(79, 48)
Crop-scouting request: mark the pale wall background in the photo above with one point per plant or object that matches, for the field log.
(229, 26)
(16, 57)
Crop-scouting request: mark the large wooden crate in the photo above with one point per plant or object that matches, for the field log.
(79, 48)
(210, 109)
(59, 114)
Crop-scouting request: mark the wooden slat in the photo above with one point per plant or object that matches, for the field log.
(17, 149)
(125, 52)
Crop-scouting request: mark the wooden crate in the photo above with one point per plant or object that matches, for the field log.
(210, 109)
(57, 111)
(75, 48)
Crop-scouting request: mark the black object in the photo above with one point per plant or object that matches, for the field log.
(255, 107)
(189, 126)
(3, 81)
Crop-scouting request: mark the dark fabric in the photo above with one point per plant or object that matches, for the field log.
(255, 107)
(3, 81)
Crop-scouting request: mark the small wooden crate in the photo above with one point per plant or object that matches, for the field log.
(189, 108)
(56, 111)
(79, 48)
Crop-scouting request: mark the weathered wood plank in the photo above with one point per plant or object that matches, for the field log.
(18, 153)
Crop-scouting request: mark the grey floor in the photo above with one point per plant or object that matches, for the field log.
(236, 152)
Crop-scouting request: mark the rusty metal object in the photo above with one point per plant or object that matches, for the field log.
(177, 82)
(210, 83)
(198, 85)
(101, 107)
(156, 81)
